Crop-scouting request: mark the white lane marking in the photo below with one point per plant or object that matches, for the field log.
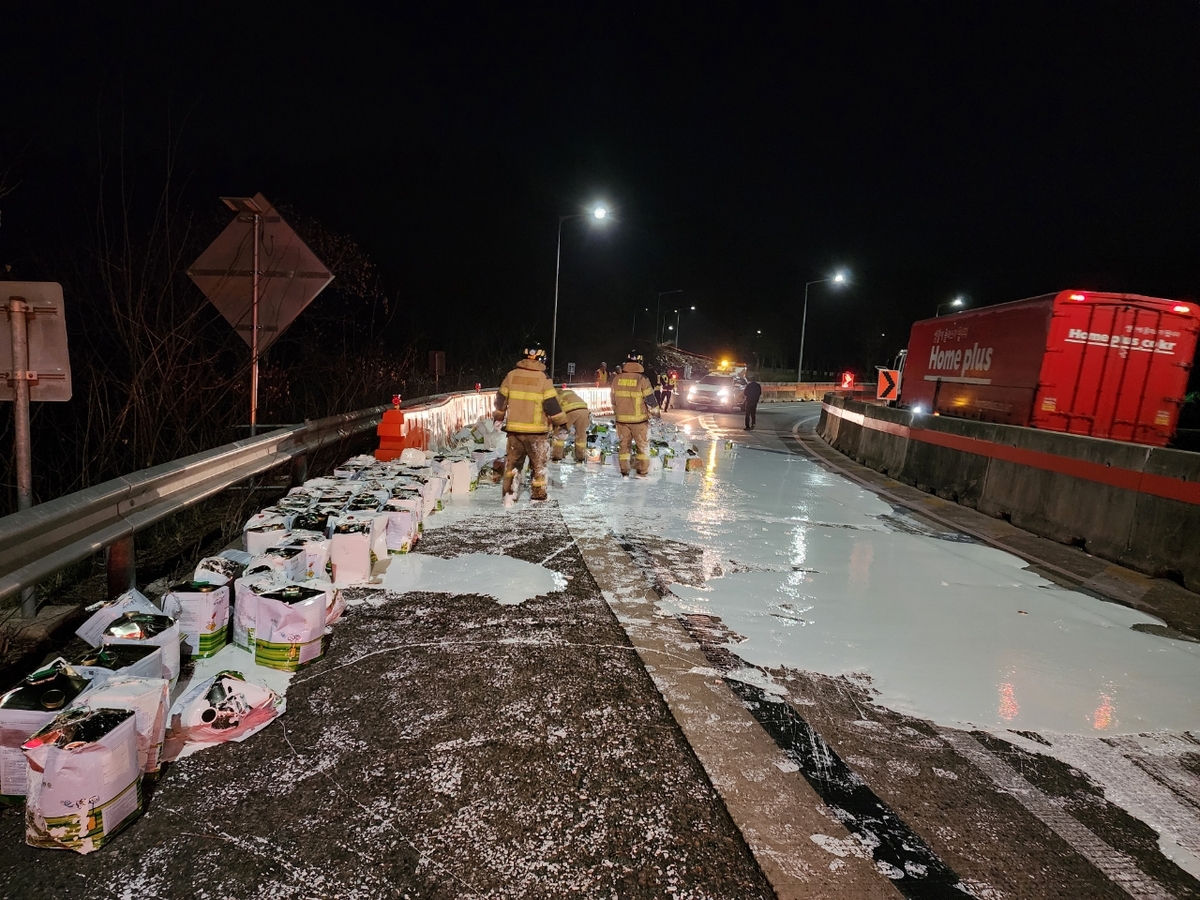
(1118, 867)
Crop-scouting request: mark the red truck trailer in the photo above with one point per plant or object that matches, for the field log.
(1107, 365)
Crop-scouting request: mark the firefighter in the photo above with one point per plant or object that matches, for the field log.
(668, 389)
(578, 417)
(528, 405)
(602, 375)
(632, 402)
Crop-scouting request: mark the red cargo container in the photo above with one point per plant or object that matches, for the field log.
(1107, 365)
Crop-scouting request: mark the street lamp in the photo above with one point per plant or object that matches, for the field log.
(658, 322)
(839, 278)
(677, 329)
(598, 213)
(957, 301)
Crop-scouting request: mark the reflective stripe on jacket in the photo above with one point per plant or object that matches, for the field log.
(570, 401)
(528, 398)
(631, 395)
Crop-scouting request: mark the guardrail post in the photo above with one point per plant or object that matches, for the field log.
(122, 569)
(299, 469)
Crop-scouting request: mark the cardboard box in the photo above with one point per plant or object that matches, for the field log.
(148, 699)
(246, 591)
(103, 614)
(145, 628)
(401, 531)
(351, 549)
(138, 660)
(25, 709)
(263, 531)
(291, 627)
(202, 611)
(84, 780)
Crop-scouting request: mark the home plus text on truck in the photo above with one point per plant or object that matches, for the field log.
(1106, 365)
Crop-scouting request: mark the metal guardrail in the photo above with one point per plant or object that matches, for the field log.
(35, 543)
(38, 542)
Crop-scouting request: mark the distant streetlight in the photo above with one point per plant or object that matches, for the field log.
(839, 278)
(598, 213)
(957, 301)
(677, 328)
(658, 319)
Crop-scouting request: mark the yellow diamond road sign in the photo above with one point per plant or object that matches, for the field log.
(289, 274)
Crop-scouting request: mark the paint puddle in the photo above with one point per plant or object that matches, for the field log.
(830, 578)
(509, 581)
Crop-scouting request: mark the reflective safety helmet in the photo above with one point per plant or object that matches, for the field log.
(634, 356)
(535, 351)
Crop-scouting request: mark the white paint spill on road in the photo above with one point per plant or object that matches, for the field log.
(510, 581)
(959, 633)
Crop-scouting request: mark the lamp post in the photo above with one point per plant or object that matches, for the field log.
(839, 278)
(677, 327)
(658, 320)
(598, 213)
(957, 301)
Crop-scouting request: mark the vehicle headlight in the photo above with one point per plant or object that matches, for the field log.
(723, 392)
(691, 391)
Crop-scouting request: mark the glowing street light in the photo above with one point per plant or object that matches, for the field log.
(957, 301)
(598, 213)
(677, 328)
(838, 278)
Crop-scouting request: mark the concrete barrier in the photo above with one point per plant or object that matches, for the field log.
(1135, 505)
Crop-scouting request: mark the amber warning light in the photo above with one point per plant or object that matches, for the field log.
(1078, 297)
(1181, 308)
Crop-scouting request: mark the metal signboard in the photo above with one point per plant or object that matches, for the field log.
(48, 370)
(289, 274)
(889, 384)
(570, 371)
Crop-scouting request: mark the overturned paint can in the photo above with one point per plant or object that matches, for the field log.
(202, 610)
(84, 780)
(290, 628)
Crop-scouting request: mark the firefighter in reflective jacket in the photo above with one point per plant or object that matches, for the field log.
(578, 418)
(528, 405)
(632, 402)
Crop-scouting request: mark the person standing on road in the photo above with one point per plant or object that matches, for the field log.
(632, 402)
(528, 404)
(578, 418)
(668, 390)
(602, 375)
(751, 395)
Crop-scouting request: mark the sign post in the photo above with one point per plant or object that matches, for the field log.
(35, 367)
(269, 293)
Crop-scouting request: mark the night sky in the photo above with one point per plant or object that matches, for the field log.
(997, 150)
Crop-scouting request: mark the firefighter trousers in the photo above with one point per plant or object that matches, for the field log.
(637, 433)
(537, 448)
(577, 419)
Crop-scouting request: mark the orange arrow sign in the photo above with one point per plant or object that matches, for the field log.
(889, 384)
